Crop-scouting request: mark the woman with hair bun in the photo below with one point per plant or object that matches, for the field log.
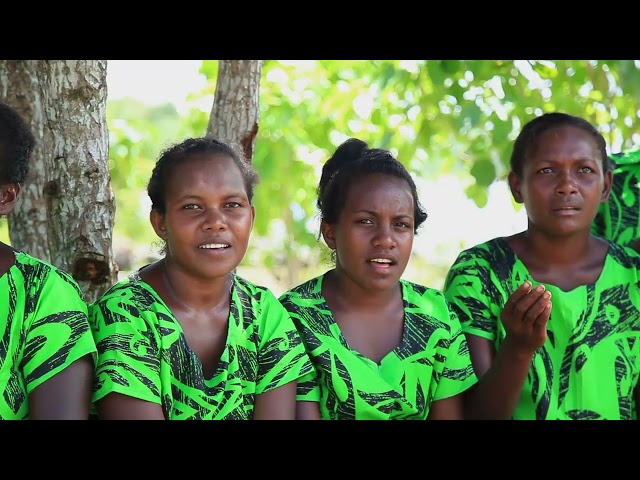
(382, 347)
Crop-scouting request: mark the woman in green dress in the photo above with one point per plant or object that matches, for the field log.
(382, 347)
(618, 219)
(552, 314)
(47, 352)
(185, 337)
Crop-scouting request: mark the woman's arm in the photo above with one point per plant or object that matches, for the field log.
(277, 404)
(66, 395)
(115, 406)
(501, 377)
(447, 409)
(308, 411)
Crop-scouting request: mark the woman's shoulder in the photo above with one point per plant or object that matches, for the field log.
(426, 302)
(486, 248)
(420, 295)
(256, 291)
(26, 259)
(624, 255)
(308, 289)
(484, 254)
(482, 263)
(410, 287)
(128, 287)
(44, 284)
(38, 271)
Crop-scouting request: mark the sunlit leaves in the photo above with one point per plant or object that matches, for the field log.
(449, 66)
(478, 194)
(137, 134)
(484, 172)
(440, 116)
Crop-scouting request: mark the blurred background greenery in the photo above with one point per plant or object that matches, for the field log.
(451, 122)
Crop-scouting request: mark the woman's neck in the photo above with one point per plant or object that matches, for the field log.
(341, 290)
(560, 250)
(191, 293)
(566, 263)
(7, 258)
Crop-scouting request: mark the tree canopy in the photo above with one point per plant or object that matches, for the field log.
(441, 117)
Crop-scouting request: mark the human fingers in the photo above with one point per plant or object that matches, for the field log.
(538, 307)
(544, 316)
(515, 297)
(523, 311)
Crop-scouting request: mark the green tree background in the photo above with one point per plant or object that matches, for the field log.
(443, 118)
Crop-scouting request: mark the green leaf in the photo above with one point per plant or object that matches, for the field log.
(477, 194)
(449, 66)
(484, 172)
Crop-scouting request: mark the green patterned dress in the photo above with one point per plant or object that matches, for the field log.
(589, 365)
(143, 352)
(431, 363)
(44, 328)
(618, 219)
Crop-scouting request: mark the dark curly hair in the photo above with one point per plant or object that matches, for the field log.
(530, 132)
(16, 145)
(178, 153)
(351, 161)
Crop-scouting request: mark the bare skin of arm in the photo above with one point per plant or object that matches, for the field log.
(501, 377)
(502, 374)
(447, 409)
(277, 404)
(308, 411)
(66, 395)
(116, 406)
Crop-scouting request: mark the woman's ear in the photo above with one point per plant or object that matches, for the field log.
(328, 233)
(514, 185)
(9, 193)
(158, 223)
(606, 189)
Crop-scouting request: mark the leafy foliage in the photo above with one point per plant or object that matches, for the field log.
(453, 116)
(137, 134)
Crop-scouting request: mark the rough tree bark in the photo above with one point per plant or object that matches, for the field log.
(236, 105)
(80, 201)
(19, 88)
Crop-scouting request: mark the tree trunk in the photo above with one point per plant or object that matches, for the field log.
(235, 113)
(80, 201)
(19, 88)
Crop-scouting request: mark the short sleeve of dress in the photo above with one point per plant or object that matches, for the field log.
(457, 374)
(125, 331)
(57, 331)
(468, 286)
(308, 388)
(282, 357)
(618, 219)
